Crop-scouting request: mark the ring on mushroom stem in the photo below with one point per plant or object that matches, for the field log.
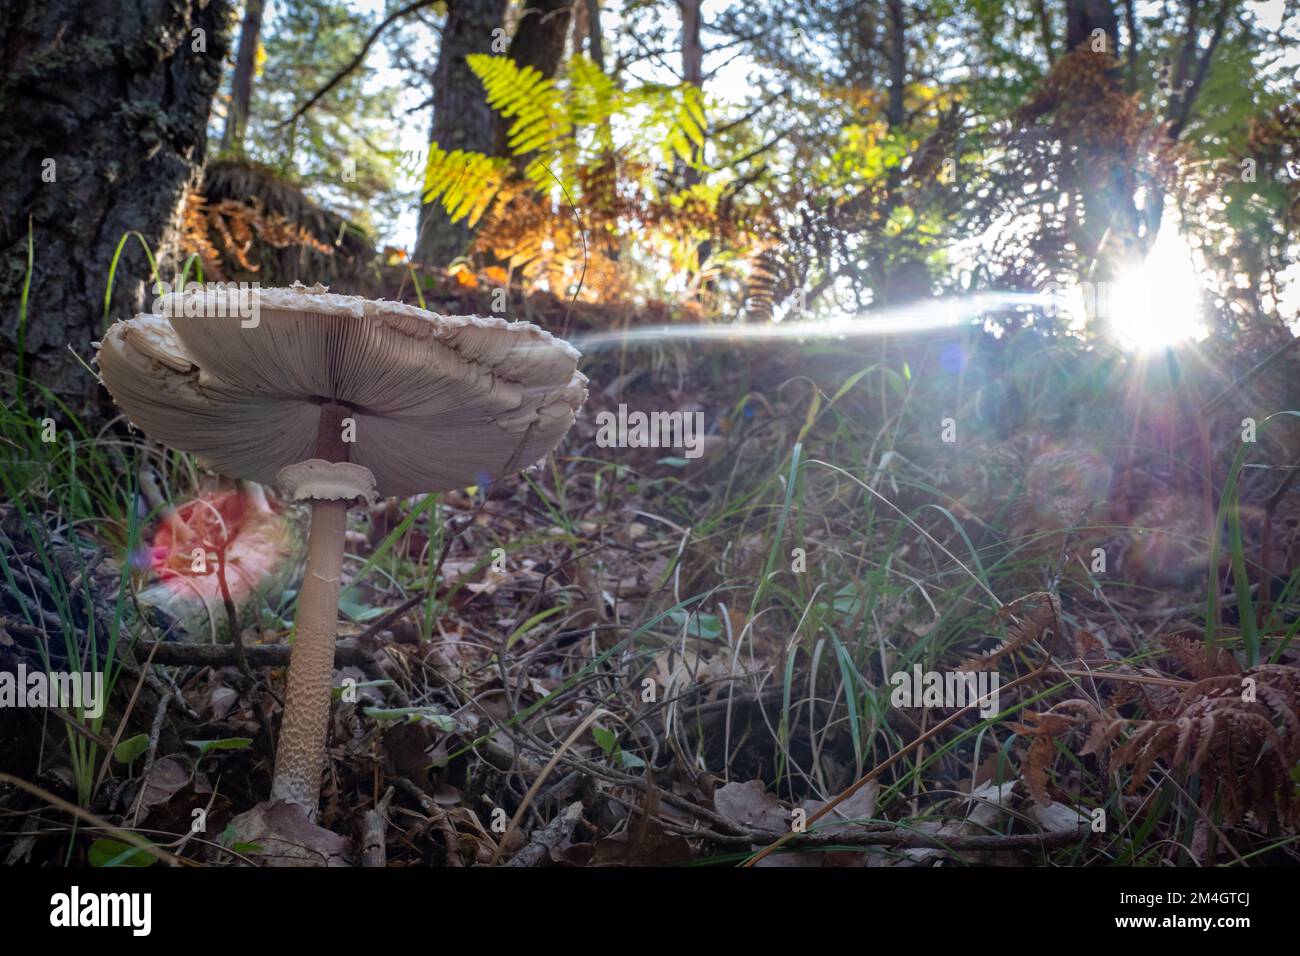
(430, 402)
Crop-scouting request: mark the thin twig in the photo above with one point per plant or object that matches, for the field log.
(232, 612)
(356, 60)
(125, 835)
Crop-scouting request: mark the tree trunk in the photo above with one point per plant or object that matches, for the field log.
(241, 85)
(898, 278)
(538, 43)
(595, 38)
(581, 31)
(1045, 29)
(539, 39)
(1082, 17)
(693, 73)
(1130, 24)
(1107, 237)
(897, 63)
(462, 118)
(103, 123)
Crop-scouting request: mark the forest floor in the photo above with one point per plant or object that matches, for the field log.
(682, 655)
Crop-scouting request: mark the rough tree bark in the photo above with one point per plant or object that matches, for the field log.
(539, 39)
(241, 83)
(103, 122)
(538, 43)
(462, 118)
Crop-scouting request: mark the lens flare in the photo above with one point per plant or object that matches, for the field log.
(924, 316)
(1158, 304)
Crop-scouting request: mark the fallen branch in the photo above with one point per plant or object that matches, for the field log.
(550, 765)
(373, 849)
(155, 731)
(894, 836)
(549, 837)
(259, 655)
(435, 816)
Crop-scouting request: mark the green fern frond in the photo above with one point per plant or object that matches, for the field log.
(594, 99)
(676, 119)
(690, 113)
(463, 183)
(557, 128)
(534, 102)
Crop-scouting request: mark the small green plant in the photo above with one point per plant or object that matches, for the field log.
(607, 740)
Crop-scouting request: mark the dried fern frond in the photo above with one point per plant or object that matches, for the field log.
(240, 233)
(195, 239)
(1031, 616)
(1042, 729)
(1240, 732)
(1198, 660)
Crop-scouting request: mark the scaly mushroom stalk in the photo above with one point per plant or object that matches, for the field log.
(300, 754)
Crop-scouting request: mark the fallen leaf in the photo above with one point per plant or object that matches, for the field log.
(749, 804)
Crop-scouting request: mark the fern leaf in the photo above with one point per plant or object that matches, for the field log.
(534, 102)
(1031, 616)
(463, 183)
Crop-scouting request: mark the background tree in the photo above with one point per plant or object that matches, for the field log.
(462, 119)
(343, 149)
(241, 80)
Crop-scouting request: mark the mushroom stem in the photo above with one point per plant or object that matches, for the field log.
(300, 756)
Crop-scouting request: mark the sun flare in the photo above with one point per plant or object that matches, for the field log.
(1157, 304)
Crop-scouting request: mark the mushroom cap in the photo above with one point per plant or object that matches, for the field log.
(439, 401)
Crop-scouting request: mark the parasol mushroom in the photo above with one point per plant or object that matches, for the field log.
(337, 399)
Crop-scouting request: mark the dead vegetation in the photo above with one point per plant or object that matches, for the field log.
(247, 222)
